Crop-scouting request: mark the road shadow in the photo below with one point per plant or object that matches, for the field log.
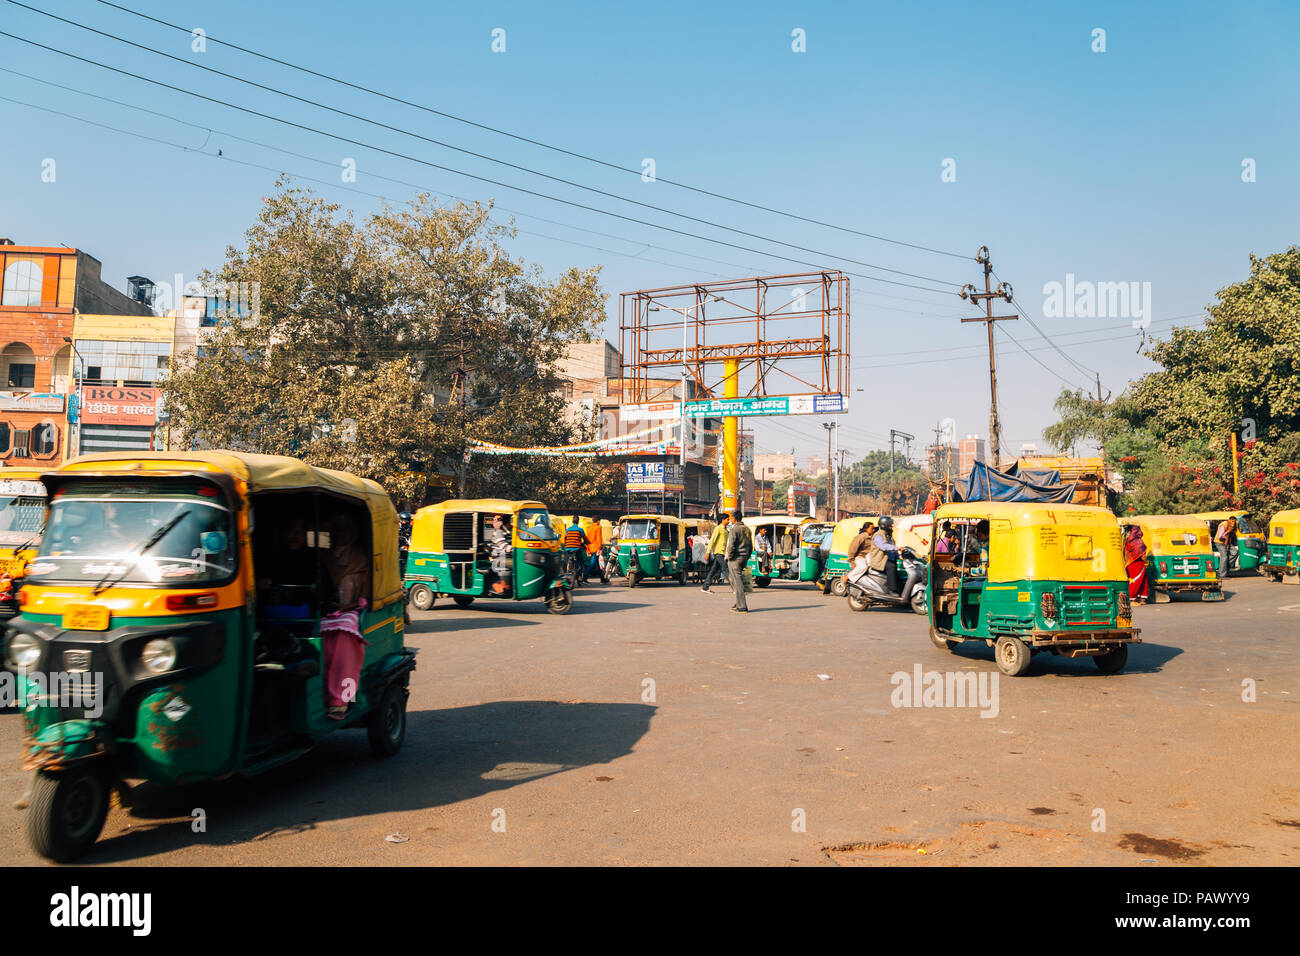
(425, 626)
(1142, 659)
(448, 756)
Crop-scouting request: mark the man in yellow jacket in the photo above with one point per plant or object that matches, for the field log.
(717, 554)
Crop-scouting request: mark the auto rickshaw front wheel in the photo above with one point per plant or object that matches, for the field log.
(762, 582)
(1012, 654)
(840, 586)
(632, 579)
(422, 597)
(463, 600)
(1113, 660)
(386, 725)
(559, 601)
(67, 812)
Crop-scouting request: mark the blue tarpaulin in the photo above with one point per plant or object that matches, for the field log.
(988, 484)
(1035, 476)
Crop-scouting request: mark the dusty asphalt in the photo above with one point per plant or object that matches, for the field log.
(540, 720)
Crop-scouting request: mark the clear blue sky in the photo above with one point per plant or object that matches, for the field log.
(1115, 166)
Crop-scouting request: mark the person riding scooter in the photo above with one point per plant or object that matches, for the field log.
(883, 554)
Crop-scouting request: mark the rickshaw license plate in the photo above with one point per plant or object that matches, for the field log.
(85, 617)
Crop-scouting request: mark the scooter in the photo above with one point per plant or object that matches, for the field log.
(873, 588)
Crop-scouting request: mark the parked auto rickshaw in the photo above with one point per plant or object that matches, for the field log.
(1252, 547)
(652, 546)
(814, 546)
(177, 598)
(22, 522)
(1180, 558)
(1028, 577)
(1284, 547)
(837, 560)
(452, 554)
(783, 537)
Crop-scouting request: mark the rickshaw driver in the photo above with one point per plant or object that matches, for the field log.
(498, 540)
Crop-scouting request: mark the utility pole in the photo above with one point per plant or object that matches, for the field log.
(895, 433)
(1003, 291)
(1099, 398)
(832, 476)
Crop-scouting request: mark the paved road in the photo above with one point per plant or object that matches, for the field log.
(549, 726)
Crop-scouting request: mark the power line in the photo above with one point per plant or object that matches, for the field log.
(469, 152)
(525, 139)
(1078, 367)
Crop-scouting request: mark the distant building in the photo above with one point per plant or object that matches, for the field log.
(969, 450)
(44, 289)
(774, 467)
(816, 466)
(941, 460)
(587, 368)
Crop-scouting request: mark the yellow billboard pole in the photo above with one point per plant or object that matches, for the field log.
(731, 440)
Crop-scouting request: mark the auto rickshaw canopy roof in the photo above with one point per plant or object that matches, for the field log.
(1284, 528)
(846, 529)
(426, 526)
(1044, 541)
(263, 473)
(1172, 534)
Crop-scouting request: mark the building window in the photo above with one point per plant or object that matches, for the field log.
(21, 375)
(140, 363)
(45, 440)
(6, 438)
(22, 284)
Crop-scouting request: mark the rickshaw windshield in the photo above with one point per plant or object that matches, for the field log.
(98, 529)
(1246, 526)
(21, 519)
(814, 534)
(640, 530)
(534, 524)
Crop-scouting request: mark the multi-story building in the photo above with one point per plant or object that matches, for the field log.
(817, 466)
(42, 289)
(771, 468)
(969, 450)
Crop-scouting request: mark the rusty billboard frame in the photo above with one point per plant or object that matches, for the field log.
(748, 306)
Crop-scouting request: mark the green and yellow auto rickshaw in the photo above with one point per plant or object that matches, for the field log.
(1252, 547)
(170, 629)
(788, 559)
(1284, 547)
(486, 548)
(1028, 577)
(22, 522)
(1180, 558)
(836, 567)
(652, 546)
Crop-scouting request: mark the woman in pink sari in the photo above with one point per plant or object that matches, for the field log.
(1135, 561)
(344, 647)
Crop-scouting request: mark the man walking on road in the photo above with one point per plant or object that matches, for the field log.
(717, 554)
(740, 545)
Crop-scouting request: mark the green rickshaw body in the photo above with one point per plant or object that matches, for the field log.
(1252, 542)
(1284, 547)
(810, 549)
(786, 564)
(1050, 576)
(159, 641)
(836, 565)
(652, 546)
(450, 552)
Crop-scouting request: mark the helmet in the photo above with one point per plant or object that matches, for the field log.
(886, 523)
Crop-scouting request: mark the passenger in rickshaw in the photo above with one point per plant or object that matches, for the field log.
(763, 548)
(289, 565)
(499, 548)
(344, 648)
(787, 542)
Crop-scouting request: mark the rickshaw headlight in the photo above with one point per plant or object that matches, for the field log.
(159, 655)
(24, 650)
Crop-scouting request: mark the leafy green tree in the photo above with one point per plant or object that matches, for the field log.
(387, 347)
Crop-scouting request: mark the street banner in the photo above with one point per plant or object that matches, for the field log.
(830, 404)
(120, 406)
(30, 402)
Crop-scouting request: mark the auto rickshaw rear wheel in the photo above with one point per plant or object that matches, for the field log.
(681, 577)
(941, 642)
(67, 812)
(422, 597)
(840, 586)
(386, 725)
(1012, 654)
(463, 600)
(559, 601)
(762, 582)
(1113, 660)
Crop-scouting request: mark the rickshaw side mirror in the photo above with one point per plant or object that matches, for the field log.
(213, 541)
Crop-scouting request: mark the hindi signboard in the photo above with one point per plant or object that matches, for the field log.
(830, 404)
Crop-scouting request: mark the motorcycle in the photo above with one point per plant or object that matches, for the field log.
(873, 588)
